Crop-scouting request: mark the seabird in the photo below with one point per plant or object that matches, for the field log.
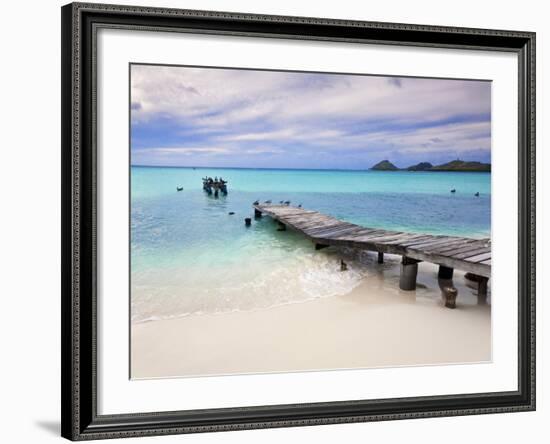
(477, 194)
(256, 202)
(267, 201)
(287, 202)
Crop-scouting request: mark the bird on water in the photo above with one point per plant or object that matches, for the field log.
(267, 201)
(256, 202)
(453, 191)
(477, 194)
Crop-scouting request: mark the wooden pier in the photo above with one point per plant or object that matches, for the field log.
(449, 252)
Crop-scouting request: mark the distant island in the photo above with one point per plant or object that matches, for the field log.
(455, 165)
(422, 166)
(385, 165)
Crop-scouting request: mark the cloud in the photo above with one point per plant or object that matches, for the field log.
(266, 135)
(263, 151)
(187, 150)
(222, 115)
(395, 81)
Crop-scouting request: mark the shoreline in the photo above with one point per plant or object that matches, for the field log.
(374, 325)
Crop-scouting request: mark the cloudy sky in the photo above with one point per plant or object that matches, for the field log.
(184, 116)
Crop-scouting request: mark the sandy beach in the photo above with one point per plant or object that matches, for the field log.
(374, 325)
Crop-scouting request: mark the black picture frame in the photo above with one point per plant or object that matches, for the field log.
(80, 419)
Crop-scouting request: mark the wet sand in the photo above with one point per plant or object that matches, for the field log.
(375, 325)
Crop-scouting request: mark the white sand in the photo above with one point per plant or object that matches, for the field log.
(375, 325)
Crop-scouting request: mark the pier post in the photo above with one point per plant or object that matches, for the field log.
(282, 227)
(343, 265)
(450, 296)
(257, 213)
(445, 272)
(380, 257)
(247, 221)
(409, 270)
(320, 246)
(482, 289)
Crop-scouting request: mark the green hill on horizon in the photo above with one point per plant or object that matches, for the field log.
(422, 166)
(384, 165)
(461, 165)
(454, 165)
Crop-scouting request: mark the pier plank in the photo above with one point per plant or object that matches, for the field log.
(480, 257)
(458, 243)
(360, 232)
(347, 229)
(320, 227)
(465, 249)
(418, 240)
(411, 237)
(472, 253)
(432, 243)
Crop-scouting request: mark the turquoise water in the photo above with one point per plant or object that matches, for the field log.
(190, 256)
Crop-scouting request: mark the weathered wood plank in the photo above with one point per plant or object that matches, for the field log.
(466, 249)
(320, 227)
(394, 239)
(335, 223)
(459, 243)
(379, 240)
(369, 236)
(471, 253)
(422, 238)
(479, 258)
(313, 222)
(432, 246)
(348, 236)
(347, 229)
(426, 244)
(412, 237)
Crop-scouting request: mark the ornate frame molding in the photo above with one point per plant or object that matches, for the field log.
(80, 420)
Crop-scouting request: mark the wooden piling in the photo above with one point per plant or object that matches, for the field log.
(320, 246)
(257, 213)
(282, 227)
(482, 289)
(450, 296)
(409, 271)
(248, 221)
(343, 265)
(445, 272)
(380, 257)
